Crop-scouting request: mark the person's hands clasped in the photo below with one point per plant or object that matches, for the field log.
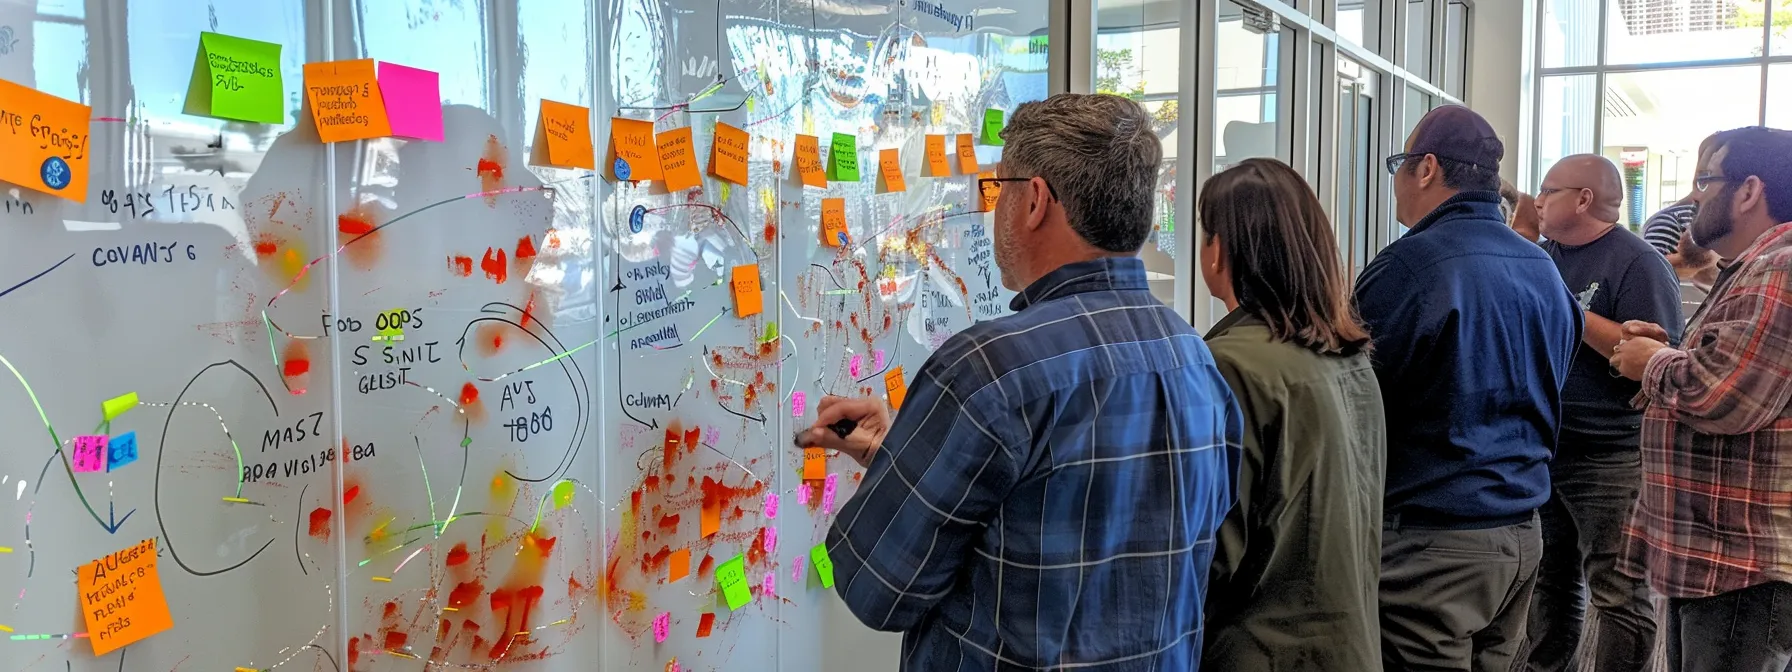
(1641, 329)
(869, 413)
(1632, 355)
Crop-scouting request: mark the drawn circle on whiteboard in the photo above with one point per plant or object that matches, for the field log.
(55, 173)
(621, 169)
(637, 218)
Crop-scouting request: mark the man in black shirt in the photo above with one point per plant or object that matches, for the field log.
(1616, 277)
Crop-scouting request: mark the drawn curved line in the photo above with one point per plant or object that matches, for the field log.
(760, 419)
(327, 655)
(577, 382)
(162, 451)
(39, 275)
(296, 517)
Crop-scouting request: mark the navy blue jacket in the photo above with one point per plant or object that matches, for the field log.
(1475, 333)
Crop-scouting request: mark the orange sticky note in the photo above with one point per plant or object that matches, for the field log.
(712, 514)
(676, 162)
(121, 598)
(967, 155)
(989, 192)
(808, 162)
(747, 295)
(679, 565)
(896, 386)
(563, 137)
(937, 165)
(728, 154)
(43, 142)
(889, 171)
(833, 222)
(633, 154)
(815, 464)
(345, 100)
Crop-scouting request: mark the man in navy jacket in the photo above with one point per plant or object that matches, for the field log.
(1475, 333)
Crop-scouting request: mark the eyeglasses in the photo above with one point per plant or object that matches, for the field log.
(1550, 190)
(1397, 160)
(1703, 182)
(991, 187)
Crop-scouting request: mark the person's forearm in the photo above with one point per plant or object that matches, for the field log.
(1600, 334)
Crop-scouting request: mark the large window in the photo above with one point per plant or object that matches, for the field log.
(1137, 53)
(1642, 82)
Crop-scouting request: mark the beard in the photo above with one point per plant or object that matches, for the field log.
(1007, 251)
(1713, 224)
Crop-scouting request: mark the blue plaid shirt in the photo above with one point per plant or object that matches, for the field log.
(1049, 492)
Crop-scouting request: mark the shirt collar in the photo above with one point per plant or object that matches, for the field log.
(1238, 317)
(1096, 275)
(1484, 203)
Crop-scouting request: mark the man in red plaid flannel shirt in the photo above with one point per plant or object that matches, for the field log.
(1712, 529)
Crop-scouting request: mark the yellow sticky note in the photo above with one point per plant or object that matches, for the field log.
(748, 299)
(889, 171)
(967, 155)
(896, 386)
(833, 222)
(728, 155)
(937, 164)
(345, 100)
(43, 142)
(563, 137)
(676, 161)
(808, 162)
(117, 406)
(679, 565)
(633, 155)
(988, 192)
(815, 464)
(121, 598)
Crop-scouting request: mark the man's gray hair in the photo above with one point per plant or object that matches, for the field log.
(1099, 155)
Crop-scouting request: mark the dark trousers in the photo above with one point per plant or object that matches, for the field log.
(1583, 533)
(1456, 599)
(1748, 630)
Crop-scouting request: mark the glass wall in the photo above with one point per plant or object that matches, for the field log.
(1642, 82)
(1138, 49)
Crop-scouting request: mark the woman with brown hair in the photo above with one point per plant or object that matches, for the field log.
(1295, 574)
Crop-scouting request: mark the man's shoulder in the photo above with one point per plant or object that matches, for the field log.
(991, 349)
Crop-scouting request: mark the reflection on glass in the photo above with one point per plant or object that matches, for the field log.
(1138, 54)
(1654, 122)
(1418, 38)
(1659, 32)
(1779, 95)
(1357, 183)
(1568, 36)
(1351, 18)
(1247, 76)
(1455, 47)
(1564, 119)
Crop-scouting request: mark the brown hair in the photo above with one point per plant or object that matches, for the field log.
(1283, 255)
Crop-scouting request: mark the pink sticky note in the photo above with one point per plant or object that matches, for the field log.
(766, 587)
(877, 359)
(771, 505)
(89, 453)
(672, 666)
(796, 572)
(662, 624)
(853, 368)
(771, 539)
(799, 402)
(802, 494)
(827, 493)
(413, 101)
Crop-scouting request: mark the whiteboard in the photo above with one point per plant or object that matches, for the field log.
(495, 490)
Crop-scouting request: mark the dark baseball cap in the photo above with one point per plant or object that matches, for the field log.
(1459, 134)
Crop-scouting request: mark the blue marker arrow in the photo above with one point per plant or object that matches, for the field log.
(112, 528)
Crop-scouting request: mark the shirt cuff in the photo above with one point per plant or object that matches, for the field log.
(1656, 369)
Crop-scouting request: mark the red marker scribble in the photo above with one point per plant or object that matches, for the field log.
(704, 568)
(354, 652)
(525, 248)
(494, 265)
(470, 404)
(358, 231)
(491, 167)
(705, 624)
(458, 555)
(464, 594)
(296, 366)
(320, 523)
(461, 265)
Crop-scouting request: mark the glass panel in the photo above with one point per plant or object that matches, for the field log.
(1247, 78)
(1779, 96)
(1351, 16)
(1138, 51)
(1781, 39)
(1455, 48)
(1418, 38)
(1570, 36)
(1417, 104)
(1653, 128)
(1565, 108)
(1659, 32)
(1357, 153)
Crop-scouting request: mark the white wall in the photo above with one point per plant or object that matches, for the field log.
(1500, 64)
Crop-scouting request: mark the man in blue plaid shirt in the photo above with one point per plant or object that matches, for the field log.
(1048, 494)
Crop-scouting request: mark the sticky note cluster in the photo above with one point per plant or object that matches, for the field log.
(237, 78)
(121, 598)
(363, 99)
(43, 142)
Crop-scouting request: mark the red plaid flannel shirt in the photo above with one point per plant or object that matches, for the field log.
(1715, 511)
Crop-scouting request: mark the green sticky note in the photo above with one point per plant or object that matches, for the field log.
(824, 565)
(993, 122)
(390, 325)
(843, 158)
(237, 78)
(771, 332)
(117, 406)
(732, 577)
(563, 494)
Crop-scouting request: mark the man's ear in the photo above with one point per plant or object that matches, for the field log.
(1038, 203)
(1750, 195)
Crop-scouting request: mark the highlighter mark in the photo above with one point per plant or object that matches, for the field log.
(361, 236)
(458, 555)
(296, 366)
(491, 168)
(494, 265)
(470, 404)
(320, 523)
(525, 248)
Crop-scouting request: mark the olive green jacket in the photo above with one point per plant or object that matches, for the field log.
(1298, 563)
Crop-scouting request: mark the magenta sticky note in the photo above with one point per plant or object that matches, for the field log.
(771, 505)
(796, 572)
(853, 368)
(877, 359)
(827, 493)
(89, 453)
(799, 403)
(662, 624)
(771, 539)
(802, 494)
(413, 101)
(766, 587)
